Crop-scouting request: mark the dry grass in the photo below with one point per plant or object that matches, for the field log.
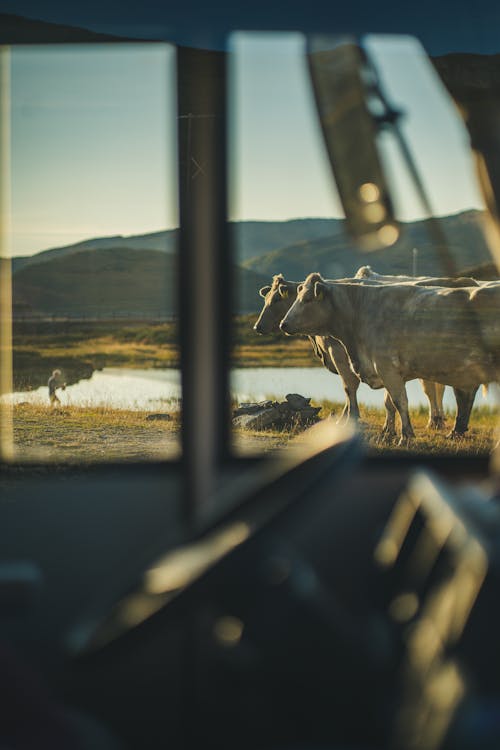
(479, 439)
(140, 345)
(106, 351)
(89, 434)
(92, 434)
(290, 353)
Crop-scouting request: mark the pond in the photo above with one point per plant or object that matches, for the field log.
(155, 389)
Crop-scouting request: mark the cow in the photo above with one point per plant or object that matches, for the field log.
(433, 391)
(397, 332)
(367, 273)
(277, 299)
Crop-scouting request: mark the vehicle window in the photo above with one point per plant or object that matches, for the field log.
(288, 222)
(93, 241)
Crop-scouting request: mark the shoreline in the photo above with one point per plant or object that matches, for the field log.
(39, 346)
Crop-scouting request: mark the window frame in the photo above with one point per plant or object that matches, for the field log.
(205, 292)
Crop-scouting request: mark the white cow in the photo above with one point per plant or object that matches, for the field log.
(397, 332)
(433, 391)
(367, 272)
(279, 296)
(277, 299)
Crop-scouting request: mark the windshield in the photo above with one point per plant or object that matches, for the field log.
(387, 358)
(346, 160)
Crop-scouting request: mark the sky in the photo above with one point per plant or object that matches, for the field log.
(93, 138)
(280, 164)
(93, 143)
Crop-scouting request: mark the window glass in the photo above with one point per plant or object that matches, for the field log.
(93, 244)
(288, 222)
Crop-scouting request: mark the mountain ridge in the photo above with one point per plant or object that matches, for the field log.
(337, 256)
(248, 236)
(103, 276)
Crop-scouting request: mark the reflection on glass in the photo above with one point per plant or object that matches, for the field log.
(287, 224)
(93, 245)
(5, 263)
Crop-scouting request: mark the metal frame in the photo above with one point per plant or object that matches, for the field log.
(205, 272)
(205, 278)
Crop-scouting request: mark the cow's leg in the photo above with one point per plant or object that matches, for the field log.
(389, 428)
(465, 400)
(350, 384)
(434, 393)
(350, 380)
(396, 388)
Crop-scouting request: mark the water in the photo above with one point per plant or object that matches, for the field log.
(256, 384)
(154, 390)
(116, 388)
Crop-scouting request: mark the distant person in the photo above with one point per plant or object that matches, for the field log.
(53, 383)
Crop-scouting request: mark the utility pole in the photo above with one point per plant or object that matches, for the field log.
(414, 264)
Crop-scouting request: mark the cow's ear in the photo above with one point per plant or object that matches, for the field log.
(319, 290)
(283, 290)
(264, 291)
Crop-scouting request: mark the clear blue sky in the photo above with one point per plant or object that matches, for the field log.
(280, 164)
(93, 144)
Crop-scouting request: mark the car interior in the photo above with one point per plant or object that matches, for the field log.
(321, 595)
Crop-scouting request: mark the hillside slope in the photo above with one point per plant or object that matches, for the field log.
(336, 256)
(114, 282)
(163, 241)
(251, 238)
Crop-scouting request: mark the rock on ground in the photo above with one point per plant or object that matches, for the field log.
(296, 411)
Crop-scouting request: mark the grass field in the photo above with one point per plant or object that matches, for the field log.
(115, 344)
(91, 434)
(83, 435)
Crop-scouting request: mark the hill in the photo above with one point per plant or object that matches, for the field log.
(297, 246)
(163, 241)
(336, 256)
(483, 271)
(135, 276)
(23, 30)
(254, 238)
(251, 238)
(113, 282)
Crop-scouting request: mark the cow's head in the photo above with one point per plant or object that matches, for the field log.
(277, 299)
(307, 314)
(365, 272)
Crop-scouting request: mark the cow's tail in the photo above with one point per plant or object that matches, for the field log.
(485, 390)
